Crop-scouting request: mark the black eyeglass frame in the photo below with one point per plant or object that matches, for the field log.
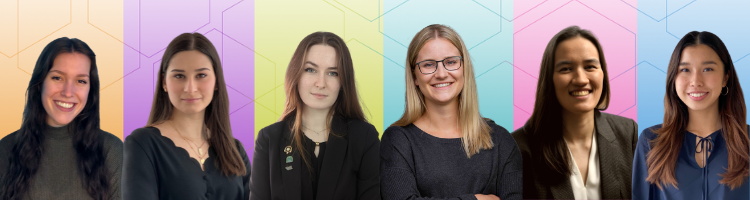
(460, 64)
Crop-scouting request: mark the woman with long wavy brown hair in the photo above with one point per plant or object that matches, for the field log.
(701, 149)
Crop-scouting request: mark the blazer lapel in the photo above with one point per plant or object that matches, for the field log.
(609, 159)
(290, 172)
(562, 190)
(334, 159)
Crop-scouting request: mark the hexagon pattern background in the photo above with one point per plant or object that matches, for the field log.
(256, 38)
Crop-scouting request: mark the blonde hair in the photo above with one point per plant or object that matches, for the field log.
(475, 132)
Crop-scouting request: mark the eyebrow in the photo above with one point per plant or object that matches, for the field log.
(316, 65)
(197, 70)
(565, 62)
(63, 73)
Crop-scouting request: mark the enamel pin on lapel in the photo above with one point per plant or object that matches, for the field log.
(289, 159)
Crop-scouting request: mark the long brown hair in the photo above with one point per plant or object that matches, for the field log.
(476, 132)
(217, 113)
(666, 147)
(347, 103)
(545, 124)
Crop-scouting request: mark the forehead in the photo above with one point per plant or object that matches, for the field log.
(576, 48)
(187, 60)
(437, 49)
(699, 53)
(321, 54)
(72, 63)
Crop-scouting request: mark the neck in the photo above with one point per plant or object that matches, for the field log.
(704, 122)
(189, 125)
(443, 118)
(314, 119)
(578, 127)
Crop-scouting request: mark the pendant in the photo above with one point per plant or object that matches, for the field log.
(200, 151)
(203, 161)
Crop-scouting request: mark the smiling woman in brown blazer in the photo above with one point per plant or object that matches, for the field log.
(323, 148)
(570, 149)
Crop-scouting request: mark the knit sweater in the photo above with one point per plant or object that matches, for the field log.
(58, 176)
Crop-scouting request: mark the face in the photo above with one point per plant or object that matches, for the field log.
(190, 82)
(319, 84)
(65, 90)
(700, 78)
(578, 75)
(442, 86)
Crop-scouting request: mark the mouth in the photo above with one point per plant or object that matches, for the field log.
(319, 96)
(580, 93)
(697, 96)
(442, 85)
(65, 106)
(191, 100)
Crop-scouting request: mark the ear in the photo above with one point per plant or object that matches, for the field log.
(726, 79)
(164, 83)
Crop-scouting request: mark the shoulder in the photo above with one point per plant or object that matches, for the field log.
(360, 130)
(649, 133)
(500, 134)
(618, 122)
(240, 148)
(272, 131)
(110, 141)
(520, 137)
(142, 136)
(7, 142)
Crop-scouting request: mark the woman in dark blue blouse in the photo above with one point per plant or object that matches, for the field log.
(701, 150)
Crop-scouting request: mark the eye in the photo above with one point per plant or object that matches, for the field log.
(708, 69)
(429, 64)
(202, 75)
(333, 73)
(564, 69)
(57, 78)
(591, 67)
(310, 70)
(82, 81)
(179, 76)
(684, 70)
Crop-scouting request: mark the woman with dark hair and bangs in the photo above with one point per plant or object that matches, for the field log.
(187, 151)
(701, 150)
(322, 147)
(60, 152)
(571, 149)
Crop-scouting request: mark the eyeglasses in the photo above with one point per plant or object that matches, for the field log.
(430, 66)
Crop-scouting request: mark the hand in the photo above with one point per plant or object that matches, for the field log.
(486, 197)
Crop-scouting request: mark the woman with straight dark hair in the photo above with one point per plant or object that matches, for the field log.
(322, 148)
(60, 152)
(572, 150)
(187, 151)
(701, 150)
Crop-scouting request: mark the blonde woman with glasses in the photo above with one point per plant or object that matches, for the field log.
(442, 148)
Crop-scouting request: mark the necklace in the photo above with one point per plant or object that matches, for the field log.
(200, 150)
(316, 132)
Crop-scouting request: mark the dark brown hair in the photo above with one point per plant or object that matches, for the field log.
(666, 147)
(545, 124)
(217, 113)
(29, 140)
(347, 103)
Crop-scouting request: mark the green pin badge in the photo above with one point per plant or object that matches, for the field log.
(289, 159)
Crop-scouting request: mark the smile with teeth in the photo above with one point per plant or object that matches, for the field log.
(580, 93)
(697, 94)
(441, 85)
(64, 105)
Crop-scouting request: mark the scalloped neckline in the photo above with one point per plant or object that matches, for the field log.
(186, 153)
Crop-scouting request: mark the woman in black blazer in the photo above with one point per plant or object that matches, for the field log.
(570, 149)
(323, 148)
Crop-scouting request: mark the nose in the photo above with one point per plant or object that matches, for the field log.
(580, 78)
(320, 82)
(696, 80)
(69, 89)
(441, 71)
(191, 86)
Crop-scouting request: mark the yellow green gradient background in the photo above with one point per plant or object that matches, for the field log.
(278, 30)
